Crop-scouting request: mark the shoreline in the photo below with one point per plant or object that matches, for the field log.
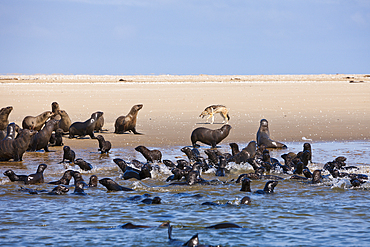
(327, 110)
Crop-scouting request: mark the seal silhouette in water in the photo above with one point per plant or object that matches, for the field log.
(65, 179)
(263, 136)
(128, 122)
(268, 189)
(113, 186)
(37, 177)
(208, 136)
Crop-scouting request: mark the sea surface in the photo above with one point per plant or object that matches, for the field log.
(297, 214)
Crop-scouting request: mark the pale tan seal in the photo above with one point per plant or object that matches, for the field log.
(4, 115)
(36, 123)
(128, 122)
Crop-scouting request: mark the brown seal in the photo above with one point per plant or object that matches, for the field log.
(263, 136)
(41, 139)
(54, 109)
(150, 155)
(65, 122)
(15, 148)
(128, 122)
(82, 129)
(99, 123)
(36, 123)
(104, 146)
(208, 136)
(4, 115)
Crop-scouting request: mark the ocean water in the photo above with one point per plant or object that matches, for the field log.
(298, 213)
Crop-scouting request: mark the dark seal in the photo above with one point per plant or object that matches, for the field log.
(104, 146)
(82, 129)
(84, 165)
(263, 136)
(36, 123)
(4, 115)
(99, 123)
(15, 148)
(208, 136)
(42, 138)
(112, 186)
(68, 154)
(268, 189)
(65, 179)
(128, 122)
(59, 190)
(150, 155)
(14, 177)
(37, 177)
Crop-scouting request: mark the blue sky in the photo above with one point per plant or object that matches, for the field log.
(128, 37)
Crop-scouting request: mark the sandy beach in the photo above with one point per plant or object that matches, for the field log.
(298, 107)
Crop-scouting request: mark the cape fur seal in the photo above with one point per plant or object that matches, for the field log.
(82, 129)
(36, 123)
(263, 136)
(4, 115)
(68, 154)
(113, 186)
(41, 139)
(150, 155)
(15, 148)
(99, 123)
(128, 122)
(208, 136)
(64, 122)
(104, 146)
(37, 177)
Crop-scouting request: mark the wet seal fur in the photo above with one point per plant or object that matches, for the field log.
(15, 148)
(36, 123)
(263, 136)
(41, 139)
(128, 122)
(4, 115)
(37, 177)
(150, 155)
(113, 186)
(82, 129)
(68, 154)
(104, 146)
(208, 136)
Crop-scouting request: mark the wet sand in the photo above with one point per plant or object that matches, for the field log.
(298, 107)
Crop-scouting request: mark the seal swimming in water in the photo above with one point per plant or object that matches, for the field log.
(93, 181)
(14, 177)
(113, 186)
(65, 179)
(79, 188)
(37, 177)
(208, 136)
(15, 148)
(36, 123)
(41, 139)
(86, 166)
(128, 122)
(82, 129)
(150, 155)
(104, 146)
(263, 136)
(4, 115)
(268, 189)
(59, 190)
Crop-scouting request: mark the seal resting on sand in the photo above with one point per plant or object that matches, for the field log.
(263, 136)
(4, 115)
(208, 136)
(36, 123)
(128, 122)
(82, 129)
